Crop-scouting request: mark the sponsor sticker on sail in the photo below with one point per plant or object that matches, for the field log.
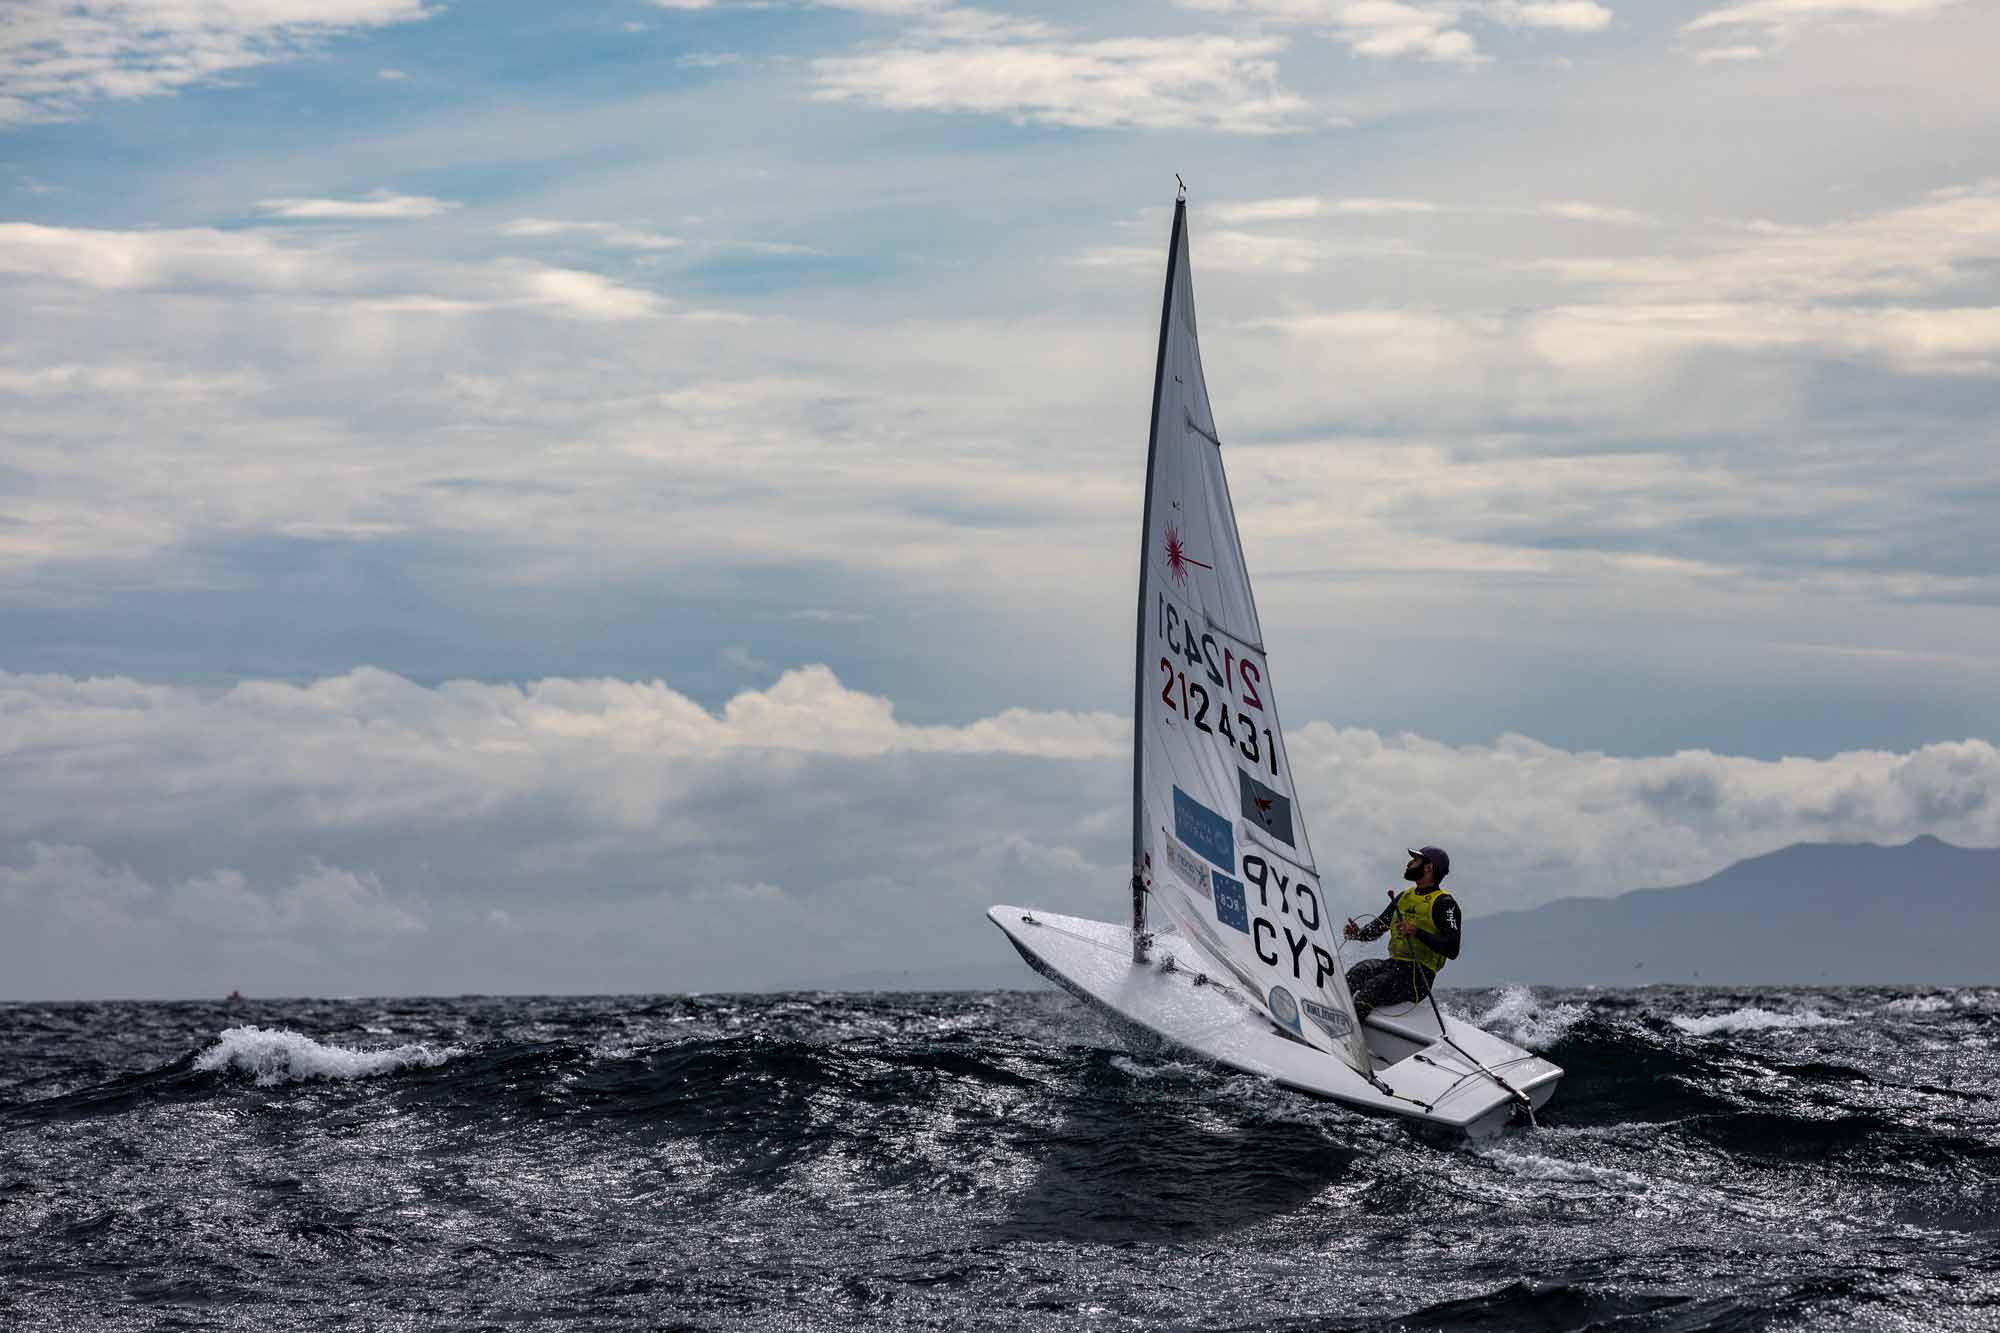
(1185, 863)
(1330, 1021)
(1204, 830)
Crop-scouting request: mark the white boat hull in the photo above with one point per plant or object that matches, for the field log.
(1426, 1078)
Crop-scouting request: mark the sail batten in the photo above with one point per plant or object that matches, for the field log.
(1219, 843)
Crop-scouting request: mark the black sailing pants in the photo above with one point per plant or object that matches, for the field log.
(1377, 983)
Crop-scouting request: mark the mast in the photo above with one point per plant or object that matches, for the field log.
(1139, 633)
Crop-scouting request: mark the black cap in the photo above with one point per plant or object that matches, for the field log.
(1437, 856)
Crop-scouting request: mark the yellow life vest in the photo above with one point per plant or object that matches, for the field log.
(1415, 905)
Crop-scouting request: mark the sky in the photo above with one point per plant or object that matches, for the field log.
(637, 497)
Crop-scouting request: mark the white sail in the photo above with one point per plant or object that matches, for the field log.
(1219, 840)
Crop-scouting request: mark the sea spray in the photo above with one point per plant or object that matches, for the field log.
(1519, 1017)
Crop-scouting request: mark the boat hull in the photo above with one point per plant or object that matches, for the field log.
(1453, 1085)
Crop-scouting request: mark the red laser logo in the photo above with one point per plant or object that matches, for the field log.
(1178, 559)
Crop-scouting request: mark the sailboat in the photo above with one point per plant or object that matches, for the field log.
(1230, 952)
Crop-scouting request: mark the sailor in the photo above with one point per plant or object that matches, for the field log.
(1423, 926)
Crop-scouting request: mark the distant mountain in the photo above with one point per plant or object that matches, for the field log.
(1924, 913)
(1827, 914)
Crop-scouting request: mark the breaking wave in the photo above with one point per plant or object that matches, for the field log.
(278, 1055)
(1753, 1019)
(1524, 1020)
(1938, 1002)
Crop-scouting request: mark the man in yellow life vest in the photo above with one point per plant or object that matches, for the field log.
(1423, 922)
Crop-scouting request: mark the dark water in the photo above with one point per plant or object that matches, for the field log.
(1794, 1159)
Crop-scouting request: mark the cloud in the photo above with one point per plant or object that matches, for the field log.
(317, 927)
(1299, 208)
(195, 259)
(1384, 29)
(56, 57)
(1561, 15)
(741, 659)
(1773, 23)
(379, 206)
(1729, 54)
(1786, 16)
(605, 233)
(1227, 83)
(816, 615)
(1578, 211)
(1859, 285)
(543, 816)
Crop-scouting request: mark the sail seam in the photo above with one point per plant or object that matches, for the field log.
(1212, 623)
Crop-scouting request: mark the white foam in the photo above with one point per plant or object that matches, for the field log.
(1941, 1001)
(1926, 1004)
(1517, 1016)
(1531, 1166)
(1754, 1019)
(274, 1056)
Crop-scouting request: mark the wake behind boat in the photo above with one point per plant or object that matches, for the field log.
(1241, 965)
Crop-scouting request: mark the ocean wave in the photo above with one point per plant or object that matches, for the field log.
(1938, 1002)
(1519, 1017)
(278, 1055)
(1533, 1166)
(1753, 1019)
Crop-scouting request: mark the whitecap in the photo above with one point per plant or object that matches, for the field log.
(1517, 1016)
(1753, 1019)
(276, 1055)
(1532, 1166)
(1925, 1004)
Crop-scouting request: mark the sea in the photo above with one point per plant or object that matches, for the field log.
(1714, 1159)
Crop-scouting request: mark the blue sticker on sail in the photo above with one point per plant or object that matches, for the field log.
(1284, 1008)
(1232, 909)
(1204, 830)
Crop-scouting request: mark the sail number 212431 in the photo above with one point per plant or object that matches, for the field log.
(1227, 674)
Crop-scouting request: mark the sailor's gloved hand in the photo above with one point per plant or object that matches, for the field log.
(1353, 932)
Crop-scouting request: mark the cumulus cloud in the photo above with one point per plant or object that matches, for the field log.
(803, 829)
(56, 57)
(80, 924)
